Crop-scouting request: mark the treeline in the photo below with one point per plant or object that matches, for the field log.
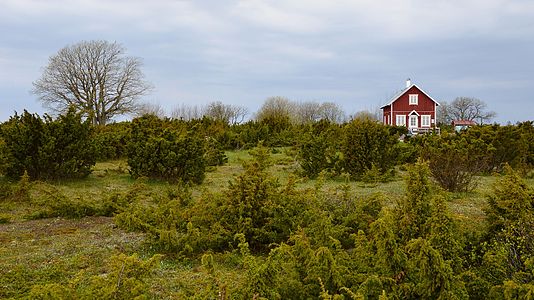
(180, 150)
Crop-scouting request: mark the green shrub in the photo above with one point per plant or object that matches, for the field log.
(406, 152)
(319, 150)
(511, 202)
(124, 279)
(253, 205)
(374, 175)
(4, 218)
(511, 144)
(53, 203)
(249, 134)
(367, 143)
(510, 218)
(158, 150)
(47, 148)
(214, 154)
(21, 191)
(456, 159)
(273, 131)
(168, 222)
(527, 136)
(110, 140)
(5, 190)
(248, 202)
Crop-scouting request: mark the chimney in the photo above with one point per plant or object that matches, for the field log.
(408, 82)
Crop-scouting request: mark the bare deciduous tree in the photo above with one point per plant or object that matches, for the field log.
(187, 112)
(465, 108)
(95, 77)
(276, 107)
(308, 112)
(239, 113)
(150, 109)
(364, 115)
(332, 112)
(230, 114)
(304, 112)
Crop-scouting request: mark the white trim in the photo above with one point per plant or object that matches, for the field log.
(413, 99)
(413, 117)
(413, 112)
(402, 119)
(427, 118)
(399, 94)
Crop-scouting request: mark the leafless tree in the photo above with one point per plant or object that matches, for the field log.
(465, 108)
(239, 113)
(150, 109)
(308, 112)
(188, 112)
(95, 77)
(364, 115)
(230, 114)
(304, 112)
(276, 107)
(332, 112)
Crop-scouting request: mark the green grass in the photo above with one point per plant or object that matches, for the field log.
(55, 250)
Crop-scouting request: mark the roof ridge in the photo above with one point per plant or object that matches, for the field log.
(398, 95)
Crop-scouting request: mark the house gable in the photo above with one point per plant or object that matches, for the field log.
(413, 105)
(412, 89)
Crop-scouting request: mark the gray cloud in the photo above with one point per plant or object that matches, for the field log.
(356, 53)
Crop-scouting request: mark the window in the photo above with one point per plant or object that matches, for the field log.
(425, 121)
(413, 121)
(401, 120)
(414, 99)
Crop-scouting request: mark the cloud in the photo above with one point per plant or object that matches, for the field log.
(247, 50)
(123, 15)
(394, 19)
(276, 17)
(478, 83)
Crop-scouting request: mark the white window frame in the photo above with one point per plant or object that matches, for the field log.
(400, 120)
(413, 117)
(425, 120)
(413, 99)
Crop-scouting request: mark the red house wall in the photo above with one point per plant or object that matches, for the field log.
(387, 115)
(425, 106)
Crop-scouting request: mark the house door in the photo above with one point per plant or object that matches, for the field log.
(414, 122)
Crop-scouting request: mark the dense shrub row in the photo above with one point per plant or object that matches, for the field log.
(178, 150)
(368, 151)
(160, 150)
(46, 148)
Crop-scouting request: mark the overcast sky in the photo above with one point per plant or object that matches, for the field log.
(356, 53)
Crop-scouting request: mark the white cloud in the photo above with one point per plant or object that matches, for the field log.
(394, 19)
(125, 15)
(200, 49)
(480, 83)
(274, 17)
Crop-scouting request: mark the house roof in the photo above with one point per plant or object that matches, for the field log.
(399, 94)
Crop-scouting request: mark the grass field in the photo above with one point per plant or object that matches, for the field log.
(58, 250)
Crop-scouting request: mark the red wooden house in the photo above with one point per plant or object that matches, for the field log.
(412, 107)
